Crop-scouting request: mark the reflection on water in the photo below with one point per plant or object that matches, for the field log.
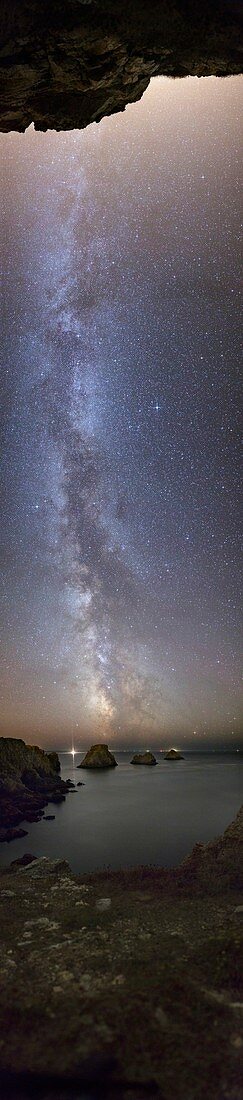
(129, 816)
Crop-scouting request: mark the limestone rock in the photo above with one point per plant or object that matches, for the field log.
(144, 758)
(98, 756)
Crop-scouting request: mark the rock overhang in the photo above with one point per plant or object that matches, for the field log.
(65, 65)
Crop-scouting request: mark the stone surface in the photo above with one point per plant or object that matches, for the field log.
(103, 904)
(140, 998)
(66, 63)
(147, 758)
(29, 779)
(98, 756)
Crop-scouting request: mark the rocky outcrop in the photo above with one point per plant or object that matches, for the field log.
(219, 864)
(144, 758)
(29, 779)
(12, 834)
(54, 761)
(66, 63)
(173, 754)
(22, 861)
(98, 757)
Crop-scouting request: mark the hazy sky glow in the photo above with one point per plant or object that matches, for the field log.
(121, 367)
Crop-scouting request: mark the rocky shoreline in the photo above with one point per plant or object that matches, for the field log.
(124, 983)
(29, 779)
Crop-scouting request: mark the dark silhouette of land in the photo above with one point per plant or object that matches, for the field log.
(66, 63)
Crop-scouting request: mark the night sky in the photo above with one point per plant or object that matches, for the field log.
(121, 425)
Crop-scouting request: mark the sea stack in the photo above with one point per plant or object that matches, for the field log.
(98, 756)
(173, 754)
(144, 758)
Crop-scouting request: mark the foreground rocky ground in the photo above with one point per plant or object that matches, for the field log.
(124, 984)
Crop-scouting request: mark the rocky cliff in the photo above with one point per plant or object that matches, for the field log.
(219, 864)
(66, 63)
(29, 779)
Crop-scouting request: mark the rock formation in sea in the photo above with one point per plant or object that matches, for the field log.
(66, 63)
(98, 756)
(29, 779)
(144, 758)
(173, 754)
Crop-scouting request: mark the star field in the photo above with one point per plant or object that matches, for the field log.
(121, 423)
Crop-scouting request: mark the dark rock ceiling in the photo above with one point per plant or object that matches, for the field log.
(66, 63)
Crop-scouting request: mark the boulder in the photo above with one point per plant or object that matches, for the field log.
(147, 758)
(173, 754)
(98, 756)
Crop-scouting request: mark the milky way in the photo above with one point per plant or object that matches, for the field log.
(121, 370)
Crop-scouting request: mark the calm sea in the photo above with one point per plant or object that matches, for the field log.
(133, 815)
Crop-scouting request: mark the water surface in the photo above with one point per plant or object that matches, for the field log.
(133, 815)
